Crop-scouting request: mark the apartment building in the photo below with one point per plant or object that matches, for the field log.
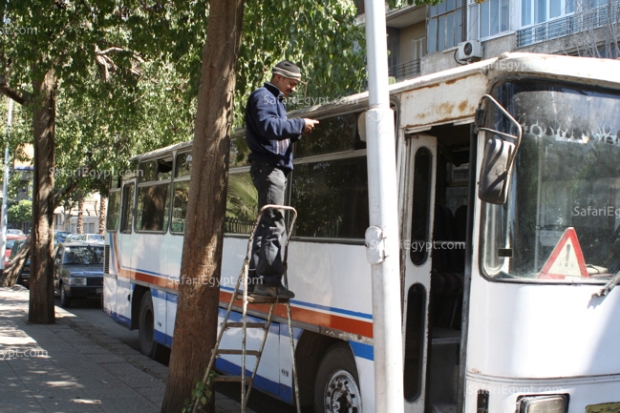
(427, 39)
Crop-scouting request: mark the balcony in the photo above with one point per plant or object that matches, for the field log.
(575, 23)
(405, 70)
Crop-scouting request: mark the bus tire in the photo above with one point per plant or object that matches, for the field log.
(146, 328)
(65, 301)
(336, 388)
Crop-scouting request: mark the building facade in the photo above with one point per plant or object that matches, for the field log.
(427, 39)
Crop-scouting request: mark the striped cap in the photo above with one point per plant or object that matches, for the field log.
(287, 69)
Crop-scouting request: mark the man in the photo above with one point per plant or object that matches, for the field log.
(269, 135)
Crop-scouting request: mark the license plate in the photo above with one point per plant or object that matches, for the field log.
(99, 290)
(604, 408)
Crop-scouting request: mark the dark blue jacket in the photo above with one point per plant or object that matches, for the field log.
(268, 132)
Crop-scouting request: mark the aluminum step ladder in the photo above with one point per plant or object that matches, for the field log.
(245, 380)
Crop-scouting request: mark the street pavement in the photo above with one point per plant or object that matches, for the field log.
(74, 367)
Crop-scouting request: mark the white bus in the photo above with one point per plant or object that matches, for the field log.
(509, 208)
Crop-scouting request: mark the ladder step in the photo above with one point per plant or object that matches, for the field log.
(248, 325)
(238, 352)
(256, 299)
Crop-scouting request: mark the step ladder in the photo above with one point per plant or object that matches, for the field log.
(242, 284)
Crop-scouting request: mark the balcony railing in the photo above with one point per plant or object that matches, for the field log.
(576, 23)
(405, 70)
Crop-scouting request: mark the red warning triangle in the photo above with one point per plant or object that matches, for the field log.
(566, 259)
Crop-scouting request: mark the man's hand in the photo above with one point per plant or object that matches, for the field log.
(310, 125)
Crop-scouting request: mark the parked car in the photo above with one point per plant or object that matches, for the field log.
(24, 275)
(78, 271)
(60, 236)
(10, 241)
(15, 231)
(85, 238)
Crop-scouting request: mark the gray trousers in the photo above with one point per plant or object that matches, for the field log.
(268, 246)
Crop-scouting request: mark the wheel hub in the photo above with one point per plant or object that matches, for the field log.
(342, 394)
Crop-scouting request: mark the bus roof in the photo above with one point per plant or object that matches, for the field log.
(568, 68)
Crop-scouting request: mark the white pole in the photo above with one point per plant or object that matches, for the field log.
(5, 187)
(382, 238)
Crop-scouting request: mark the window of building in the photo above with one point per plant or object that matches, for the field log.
(445, 25)
(540, 11)
(488, 19)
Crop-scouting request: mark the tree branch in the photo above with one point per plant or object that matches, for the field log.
(7, 91)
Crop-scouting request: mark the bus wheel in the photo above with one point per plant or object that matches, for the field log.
(336, 389)
(146, 326)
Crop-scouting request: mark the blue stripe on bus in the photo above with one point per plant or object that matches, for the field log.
(321, 307)
(163, 295)
(121, 319)
(278, 390)
(162, 338)
(365, 351)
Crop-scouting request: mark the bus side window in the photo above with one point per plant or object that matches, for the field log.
(127, 210)
(114, 211)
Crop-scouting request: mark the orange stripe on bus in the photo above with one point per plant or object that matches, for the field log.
(303, 315)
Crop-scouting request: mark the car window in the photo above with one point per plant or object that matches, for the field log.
(82, 255)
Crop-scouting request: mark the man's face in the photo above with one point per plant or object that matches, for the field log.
(285, 84)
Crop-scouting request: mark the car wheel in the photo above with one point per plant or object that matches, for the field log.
(65, 301)
(146, 326)
(336, 388)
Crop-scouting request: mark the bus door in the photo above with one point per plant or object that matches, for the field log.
(124, 238)
(417, 243)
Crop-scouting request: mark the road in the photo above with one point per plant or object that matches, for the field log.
(91, 312)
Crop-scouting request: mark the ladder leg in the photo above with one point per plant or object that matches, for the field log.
(260, 355)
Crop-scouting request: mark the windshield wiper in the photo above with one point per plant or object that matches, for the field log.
(608, 287)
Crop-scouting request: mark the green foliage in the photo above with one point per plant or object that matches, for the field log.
(129, 71)
(200, 395)
(20, 212)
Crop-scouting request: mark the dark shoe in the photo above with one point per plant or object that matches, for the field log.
(261, 290)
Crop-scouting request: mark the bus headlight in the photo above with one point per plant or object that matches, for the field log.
(543, 404)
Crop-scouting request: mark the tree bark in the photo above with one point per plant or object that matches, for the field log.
(103, 207)
(195, 328)
(80, 215)
(41, 304)
(11, 273)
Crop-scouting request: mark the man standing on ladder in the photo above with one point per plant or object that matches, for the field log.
(269, 135)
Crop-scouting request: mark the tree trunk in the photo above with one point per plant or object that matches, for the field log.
(80, 216)
(103, 207)
(11, 273)
(41, 305)
(196, 320)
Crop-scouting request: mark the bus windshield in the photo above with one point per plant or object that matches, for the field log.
(561, 222)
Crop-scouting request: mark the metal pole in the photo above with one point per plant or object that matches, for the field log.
(382, 238)
(5, 187)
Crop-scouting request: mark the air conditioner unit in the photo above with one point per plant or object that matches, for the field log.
(469, 51)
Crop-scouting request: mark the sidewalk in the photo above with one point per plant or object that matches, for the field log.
(72, 367)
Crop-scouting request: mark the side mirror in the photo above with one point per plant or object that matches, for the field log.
(494, 175)
(498, 159)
